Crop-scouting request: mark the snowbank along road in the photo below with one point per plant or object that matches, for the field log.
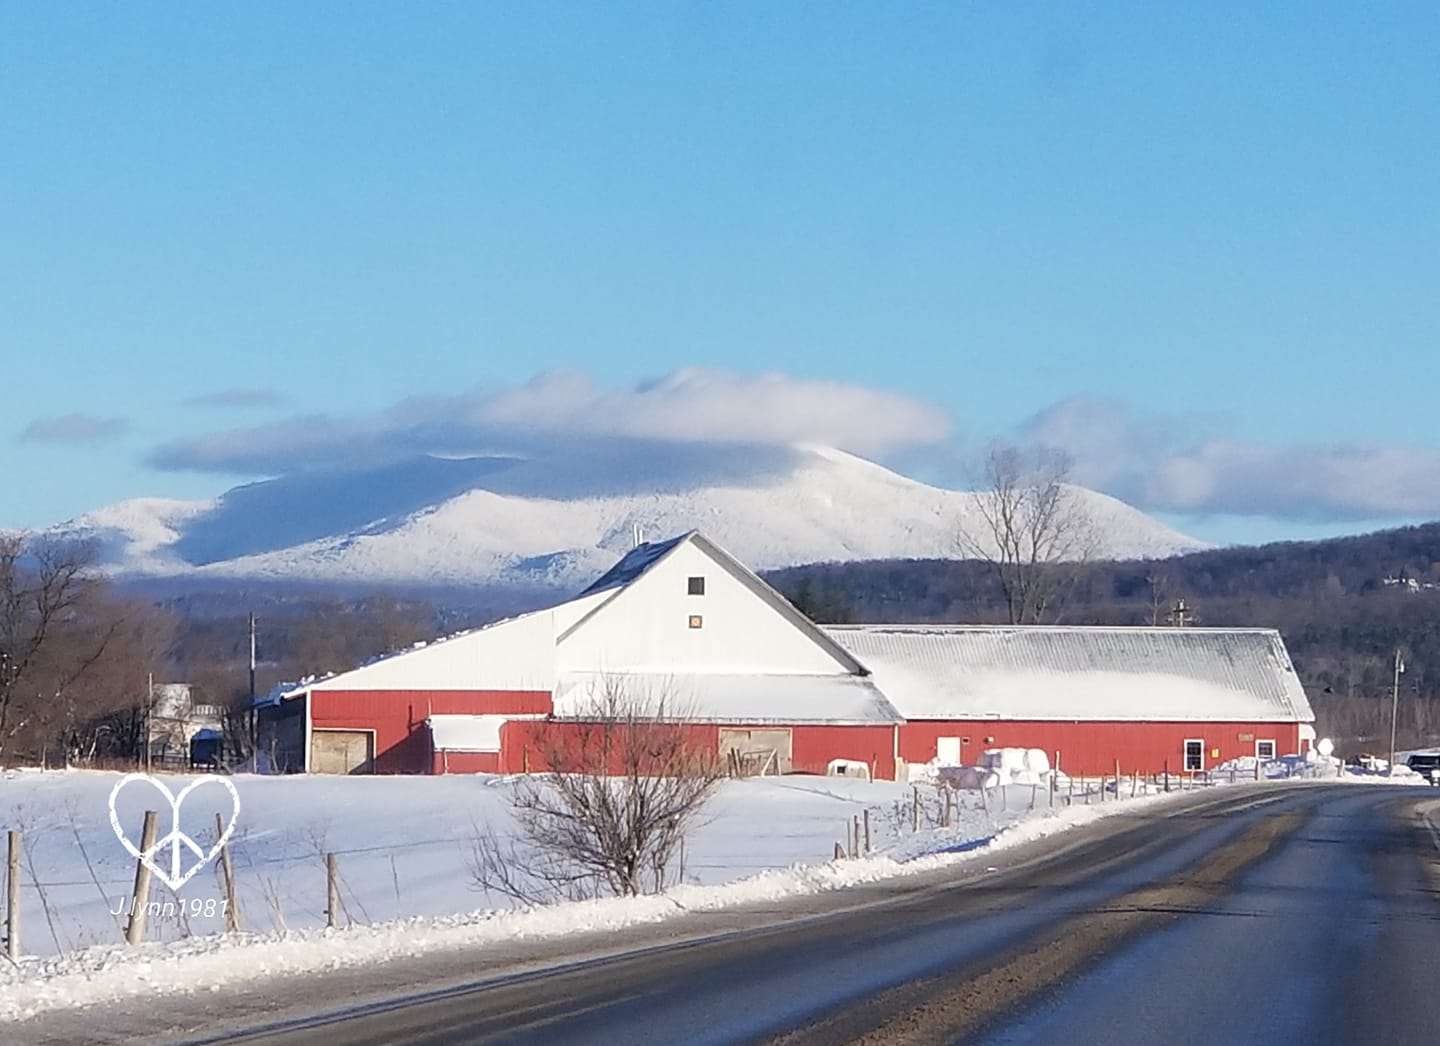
(1303, 914)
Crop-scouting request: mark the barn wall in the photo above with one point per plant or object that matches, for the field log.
(466, 763)
(1092, 748)
(812, 747)
(815, 746)
(647, 627)
(523, 740)
(402, 741)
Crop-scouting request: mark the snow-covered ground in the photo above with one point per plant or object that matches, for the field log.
(404, 846)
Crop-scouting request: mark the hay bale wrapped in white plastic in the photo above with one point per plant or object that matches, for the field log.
(1037, 761)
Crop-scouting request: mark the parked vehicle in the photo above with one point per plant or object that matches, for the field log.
(1427, 765)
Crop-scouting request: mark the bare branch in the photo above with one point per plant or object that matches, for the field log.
(1032, 527)
(625, 782)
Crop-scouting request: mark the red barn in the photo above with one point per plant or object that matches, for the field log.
(756, 681)
(680, 620)
(1151, 698)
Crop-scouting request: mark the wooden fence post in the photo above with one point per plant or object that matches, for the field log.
(915, 811)
(140, 896)
(839, 851)
(949, 807)
(12, 897)
(1167, 775)
(232, 908)
(332, 890)
(867, 830)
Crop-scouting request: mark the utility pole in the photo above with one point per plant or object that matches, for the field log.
(250, 713)
(1395, 706)
(149, 713)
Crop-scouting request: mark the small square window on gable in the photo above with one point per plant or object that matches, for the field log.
(697, 586)
(696, 621)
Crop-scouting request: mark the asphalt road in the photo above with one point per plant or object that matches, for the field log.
(1304, 914)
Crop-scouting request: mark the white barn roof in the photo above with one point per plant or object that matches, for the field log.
(833, 700)
(1089, 674)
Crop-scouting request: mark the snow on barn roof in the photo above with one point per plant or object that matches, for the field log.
(635, 562)
(1081, 673)
(330, 680)
(739, 698)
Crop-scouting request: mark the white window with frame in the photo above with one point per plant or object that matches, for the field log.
(1265, 748)
(1194, 754)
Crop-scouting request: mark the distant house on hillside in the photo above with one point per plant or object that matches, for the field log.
(762, 686)
(180, 731)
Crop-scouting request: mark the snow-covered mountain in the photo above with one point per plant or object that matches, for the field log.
(560, 520)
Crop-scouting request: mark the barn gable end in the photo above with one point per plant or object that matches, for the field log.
(687, 606)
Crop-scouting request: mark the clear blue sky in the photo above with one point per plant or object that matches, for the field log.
(1197, 245)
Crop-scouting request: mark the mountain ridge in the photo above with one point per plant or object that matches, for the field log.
(558, 520)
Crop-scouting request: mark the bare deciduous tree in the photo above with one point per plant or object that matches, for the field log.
(107, 709)
(1159, 589)
(1032, 528)
(43, 590)
(73, 655)
(624, 782)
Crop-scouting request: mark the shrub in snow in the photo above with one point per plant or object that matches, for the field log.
(623, 786)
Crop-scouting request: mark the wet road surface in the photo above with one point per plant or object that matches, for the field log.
(1304, 913)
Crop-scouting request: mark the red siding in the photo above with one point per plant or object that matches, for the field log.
(1092, 748)
(812, 747)
(466, 763)
(402, 741)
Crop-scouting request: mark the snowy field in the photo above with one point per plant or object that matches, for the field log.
(404, 848)
(404, 844)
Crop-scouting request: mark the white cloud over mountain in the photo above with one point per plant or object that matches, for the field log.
(561, 407)
(1191, 465)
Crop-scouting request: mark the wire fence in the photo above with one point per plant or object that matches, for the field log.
(304, 876)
